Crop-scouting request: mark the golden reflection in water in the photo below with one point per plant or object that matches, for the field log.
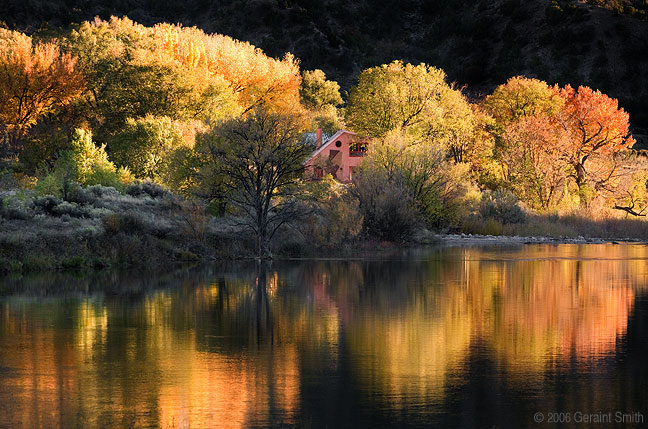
(215, 390)
(223, 354)
(99, 375)
(207, 389)
(552, 306)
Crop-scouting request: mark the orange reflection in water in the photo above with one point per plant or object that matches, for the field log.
(532, 310)
(98, 374)
(224, 354)
(214, 390)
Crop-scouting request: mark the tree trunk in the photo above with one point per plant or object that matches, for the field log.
(262, 250)
(581, 182)
(222, 206)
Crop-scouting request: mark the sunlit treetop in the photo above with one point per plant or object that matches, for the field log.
(521, 96)
(596, 120)
(203, 60)
(397, 95)
(254, 77)
(316, 91)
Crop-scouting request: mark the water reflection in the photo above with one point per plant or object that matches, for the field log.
(449, 337)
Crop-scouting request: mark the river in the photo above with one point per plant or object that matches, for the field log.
(499, 336)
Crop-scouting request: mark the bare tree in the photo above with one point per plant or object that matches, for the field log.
(260, 160)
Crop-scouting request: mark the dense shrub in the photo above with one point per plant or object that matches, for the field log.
(386, 206)
(73, 263)
(52, 184)
(69, 209)
(144, 145)
(16, 212)
(146, 187)
(8, 265)
(79, 195)
(336, 214)
(136, 223)
(501, 205)
(46, 204)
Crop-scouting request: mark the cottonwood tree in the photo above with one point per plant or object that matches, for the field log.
(531, 151)
(132, 73)
(256, 79)
(598, 134)
(258, 159)
(517, 99)
(520, 97)
(146, 145)
(321, 97)
(416, 102)
(317, 92)
(35, 80)
(397, 95)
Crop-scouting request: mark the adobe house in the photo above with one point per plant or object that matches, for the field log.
(338, 156)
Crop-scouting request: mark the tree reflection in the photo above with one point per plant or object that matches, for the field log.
(260, 344)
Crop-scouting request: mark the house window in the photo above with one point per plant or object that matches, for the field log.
(319, 172)
(338, 143)
(358, 148)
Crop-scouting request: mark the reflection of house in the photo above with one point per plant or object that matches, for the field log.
(338, 156)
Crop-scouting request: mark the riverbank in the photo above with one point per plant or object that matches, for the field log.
(98, 227)
(478, 239)
(149, 228)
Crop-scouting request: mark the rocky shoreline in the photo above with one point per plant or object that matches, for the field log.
(477, 239)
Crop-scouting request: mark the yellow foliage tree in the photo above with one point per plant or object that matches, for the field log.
(255, 78)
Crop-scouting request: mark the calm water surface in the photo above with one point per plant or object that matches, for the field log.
(441, 337)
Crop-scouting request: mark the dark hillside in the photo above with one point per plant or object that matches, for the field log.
(603, 44)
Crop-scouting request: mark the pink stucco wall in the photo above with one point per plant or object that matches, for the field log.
(341, 163)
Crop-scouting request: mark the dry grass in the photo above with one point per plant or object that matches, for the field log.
(563, 226)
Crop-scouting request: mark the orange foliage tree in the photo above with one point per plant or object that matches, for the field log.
(523, 110)
(35, 80)
(532, 155)
(599, 134)
(552, 139)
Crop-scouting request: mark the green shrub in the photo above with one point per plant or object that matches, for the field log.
(73, 263)
(84, 163)
(51, 184)
(68, 209)
(106, 176)
(99, 191)
(144, 145)
(8, 265)
(132, 223)
(79, 195)
(38, 263)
